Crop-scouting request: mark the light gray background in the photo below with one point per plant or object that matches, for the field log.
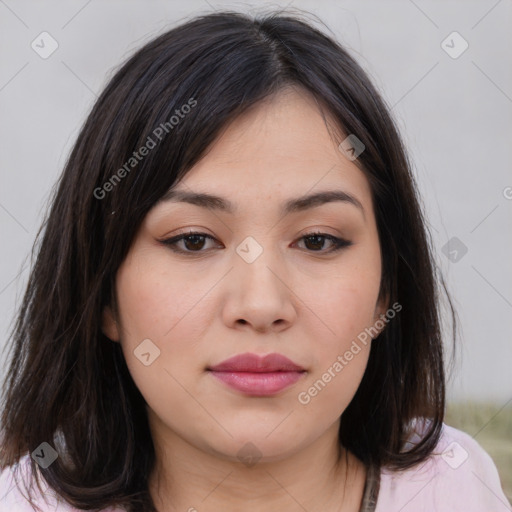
(455, 116)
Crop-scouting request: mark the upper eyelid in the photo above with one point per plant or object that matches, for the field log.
(180, 236)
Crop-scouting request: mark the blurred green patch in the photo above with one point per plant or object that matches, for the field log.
(491, 426)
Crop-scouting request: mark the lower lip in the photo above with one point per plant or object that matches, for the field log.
(258, 384)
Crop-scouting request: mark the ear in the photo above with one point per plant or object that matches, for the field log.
(109, 325)
(380, 309)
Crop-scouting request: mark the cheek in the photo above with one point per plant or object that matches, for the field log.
(341, 354)
(171, 310)
(328, 392)
(356, 309)
(154, 300)
(346, 300)
(346, 316)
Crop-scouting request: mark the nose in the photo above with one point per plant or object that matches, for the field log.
(259, 296)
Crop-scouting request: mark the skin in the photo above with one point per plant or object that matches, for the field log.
(297, 298)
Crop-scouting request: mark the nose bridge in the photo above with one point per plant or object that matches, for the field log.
(255, 261)
(260, 296)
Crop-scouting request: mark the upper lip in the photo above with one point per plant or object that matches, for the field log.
(257, 364)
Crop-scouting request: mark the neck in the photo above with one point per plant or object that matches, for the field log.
(321, 476)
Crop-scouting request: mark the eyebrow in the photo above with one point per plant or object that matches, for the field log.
(213, 202)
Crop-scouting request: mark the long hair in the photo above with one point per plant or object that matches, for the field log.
(68, 384)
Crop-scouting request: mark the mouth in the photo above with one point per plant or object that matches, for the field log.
(255, 375)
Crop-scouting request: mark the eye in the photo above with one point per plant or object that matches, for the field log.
(194, 242)
(317, 239)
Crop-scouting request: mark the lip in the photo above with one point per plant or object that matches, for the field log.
(255, 363)
(256, 375)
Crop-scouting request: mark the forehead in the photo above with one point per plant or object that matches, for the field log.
(279, 149)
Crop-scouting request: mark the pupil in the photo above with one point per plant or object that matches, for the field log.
(194, 242)
(318, 238)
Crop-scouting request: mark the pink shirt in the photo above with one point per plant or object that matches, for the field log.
(459, 476)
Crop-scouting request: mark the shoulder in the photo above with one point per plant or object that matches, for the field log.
(458, 476)
(14, 481)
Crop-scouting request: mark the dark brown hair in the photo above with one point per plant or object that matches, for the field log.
(67, 384)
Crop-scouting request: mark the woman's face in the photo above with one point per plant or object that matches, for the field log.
(259, 285)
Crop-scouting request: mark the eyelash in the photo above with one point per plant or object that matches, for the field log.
(339, 243)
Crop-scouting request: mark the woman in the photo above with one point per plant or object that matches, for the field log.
(234, 301)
